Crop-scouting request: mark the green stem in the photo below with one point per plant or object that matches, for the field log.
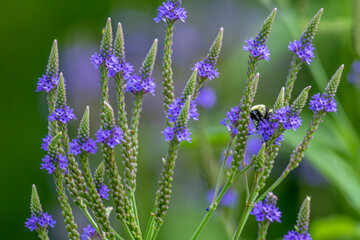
(248, 207)
(222, 170)
(133, 200)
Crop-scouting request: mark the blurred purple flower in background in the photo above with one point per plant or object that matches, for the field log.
(354, 74)
(252, 147)
(207, 98)
(229, 199)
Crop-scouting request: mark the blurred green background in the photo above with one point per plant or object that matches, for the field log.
(330, 174)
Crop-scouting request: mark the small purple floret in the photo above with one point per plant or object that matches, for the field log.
(257, 49)
(293, 235)
(48, 163)
(104, 191)
(170, 11)
(136, 84)
(43, 221)
(76, 145)
(47, 83)
(90, 233)
(303, 49)
(181, 134)
(111, 137)
(266, 210)
(63, 114)
(46, 142)
(175, 109)
(322, 103)
(206, 70)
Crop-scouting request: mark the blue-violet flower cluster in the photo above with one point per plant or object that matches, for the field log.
(113, 63)
(62, 114)
(43, 220)
(78, 144)
(293, 235)
(137, 84)
(257, 49)
(303, 49)
(322, 103)
(48, 163)
(46, 83)
(266, 209)
(171, 11)
(103, 191)
(354, 75)
(90, 233)
(231, 122)
(206, 70)
(110, 137)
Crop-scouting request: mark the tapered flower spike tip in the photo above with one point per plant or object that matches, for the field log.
(61, 92)
(119, 43)
(300, 101)
(253, 88)
(310, 31)
(215, 48)
(303, 220)
(84, 128)
(190, 85)
(184, 114)
(334, 82)
(107, 39)
(35, 205)
(259, 160)
(279, 103)
(266, 27)
(149, 61)
(52, 69)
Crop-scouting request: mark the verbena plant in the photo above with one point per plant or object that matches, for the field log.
(67, 160)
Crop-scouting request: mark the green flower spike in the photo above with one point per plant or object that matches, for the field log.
(74, 181)
(105, 52)
(95, 202)
(69, 220)
(52, 71)
(303, 219)
(123, 207)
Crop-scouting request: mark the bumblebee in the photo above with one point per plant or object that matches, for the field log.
(260, 113)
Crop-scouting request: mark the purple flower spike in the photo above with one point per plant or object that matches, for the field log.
(257, 49)
(46, 142)
(104, 191)
(136, 84)
(96, 60)
(206, 98)
(88, 145)
(206, 70)
(111, 137)
(49, 163)
(43, 221)
(31, 222)
(63, 115)
(267, 210)
(47, 83)
(170, 11)
(322, 103)
(181, 134)
(175, 109)
(293, 235)
(90, 233)
(304, 50)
